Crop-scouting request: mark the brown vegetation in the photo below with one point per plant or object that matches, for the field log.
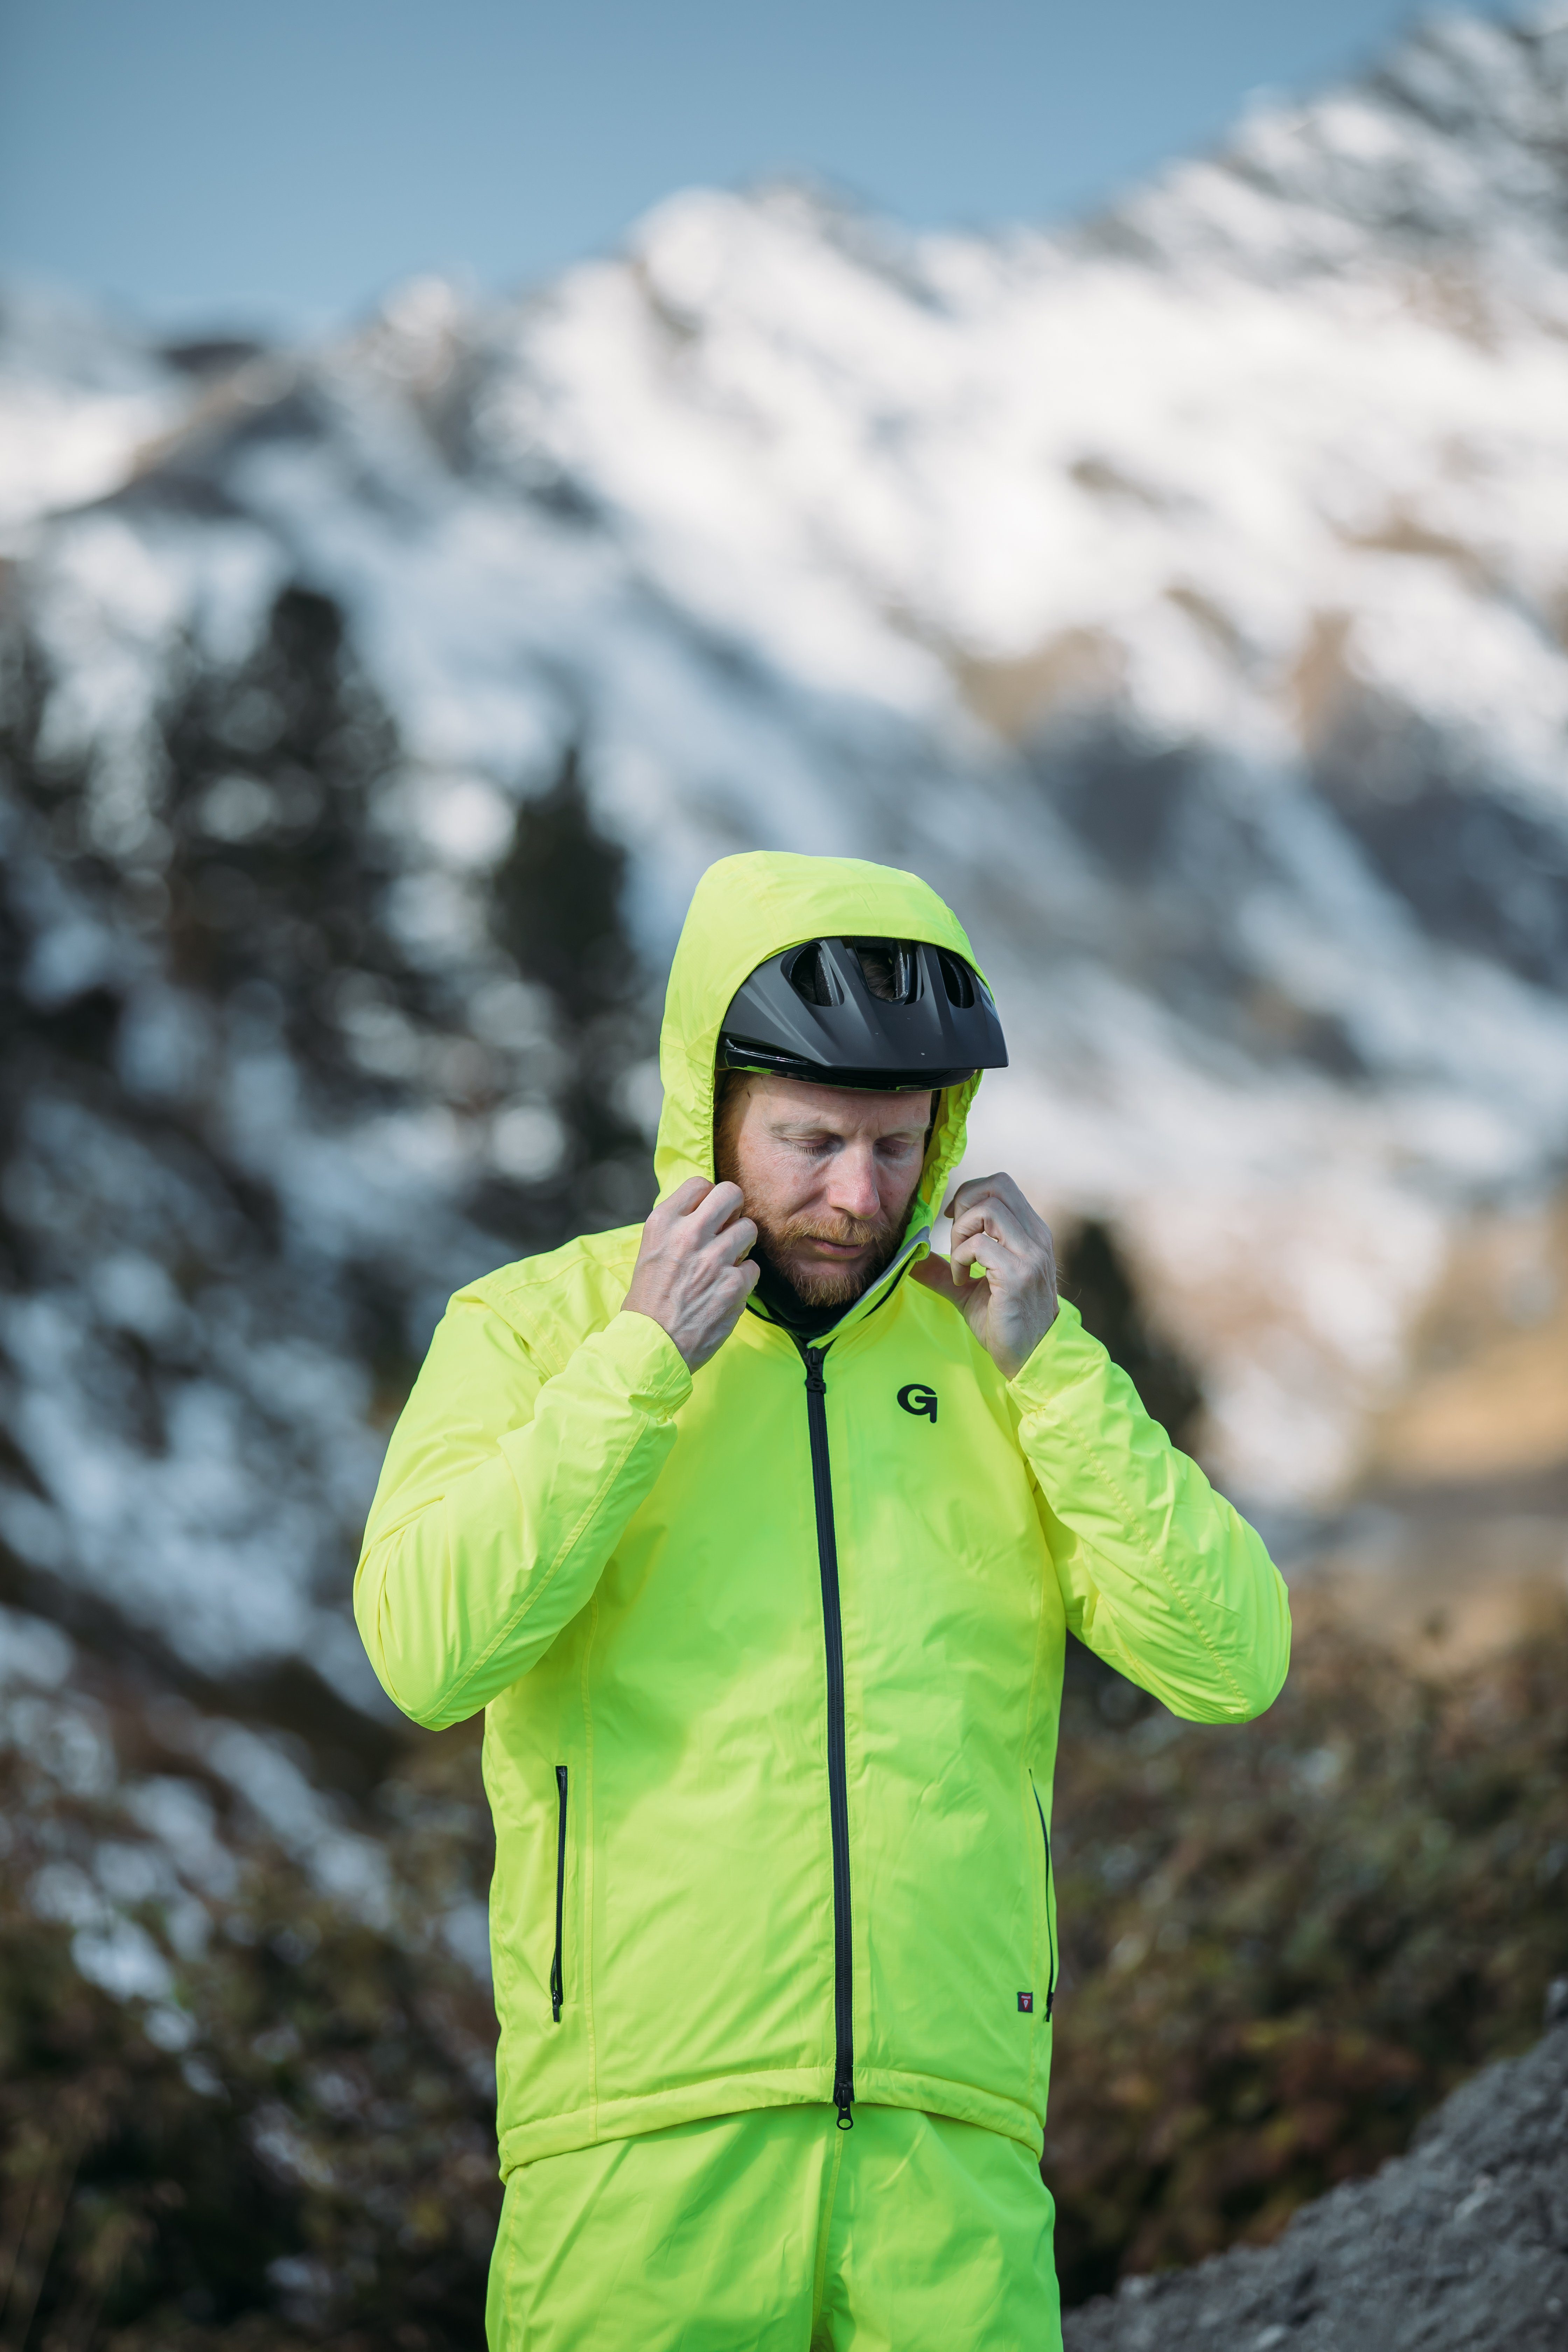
(297, 2145)
(1282, 1945)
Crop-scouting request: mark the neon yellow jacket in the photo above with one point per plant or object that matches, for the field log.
(772, 1670)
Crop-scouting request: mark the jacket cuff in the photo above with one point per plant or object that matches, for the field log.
(650, 1364)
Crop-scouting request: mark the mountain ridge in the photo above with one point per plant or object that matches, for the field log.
(1191, 613)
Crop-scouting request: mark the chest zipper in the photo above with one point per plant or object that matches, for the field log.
(1051, 1931)
(555, 1980)
(838, 1790)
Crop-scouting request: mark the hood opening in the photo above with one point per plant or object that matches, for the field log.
(747, 909)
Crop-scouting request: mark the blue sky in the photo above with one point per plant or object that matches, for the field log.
(280, 165)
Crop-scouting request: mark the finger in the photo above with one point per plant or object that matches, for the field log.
(979, 1251)
(710, 1214)
(973, 1189)
(738, 1282)
(738, 1206)
(1000, 1206)
(737, 1239)
(937, 1274)
(1009, 1197)
(952, 1282)
(683, 1200)
(1020, 1245)
(977, 1188)
(994, 1217)
(970, 1202)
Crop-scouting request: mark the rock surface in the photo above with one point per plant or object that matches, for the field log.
(1461, 2243)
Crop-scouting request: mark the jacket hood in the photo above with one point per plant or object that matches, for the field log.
(747, 909)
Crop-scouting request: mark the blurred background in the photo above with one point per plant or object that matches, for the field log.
(461, 472)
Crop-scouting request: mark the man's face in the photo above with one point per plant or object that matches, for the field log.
(827, 1175)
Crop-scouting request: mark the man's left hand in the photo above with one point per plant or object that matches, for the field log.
(1012, 1306)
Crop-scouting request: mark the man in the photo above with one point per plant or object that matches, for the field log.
(757, 1531)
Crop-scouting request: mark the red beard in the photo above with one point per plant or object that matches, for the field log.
(828, 1286)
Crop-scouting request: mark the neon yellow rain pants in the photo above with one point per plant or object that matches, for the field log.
(771, 2230)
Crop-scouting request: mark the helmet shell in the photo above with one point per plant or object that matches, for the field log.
(878, 1013)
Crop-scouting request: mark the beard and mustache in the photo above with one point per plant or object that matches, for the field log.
(815, 1286)
(827, 1286)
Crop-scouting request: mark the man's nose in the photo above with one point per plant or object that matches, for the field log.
(854, 1189)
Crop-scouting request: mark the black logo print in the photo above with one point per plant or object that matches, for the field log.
(918, 1398)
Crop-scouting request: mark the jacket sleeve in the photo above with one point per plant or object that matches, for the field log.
(1159, 1575)
(502, 1496)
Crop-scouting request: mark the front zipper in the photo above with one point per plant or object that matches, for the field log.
(837, 1791)
(1051, 1931)
(559, 1887)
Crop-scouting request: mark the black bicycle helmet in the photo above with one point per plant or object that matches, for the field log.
(884, 1014)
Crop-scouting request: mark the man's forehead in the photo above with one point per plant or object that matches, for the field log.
(794, 1102)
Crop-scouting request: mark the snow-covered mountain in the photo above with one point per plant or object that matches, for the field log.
(1185, 594)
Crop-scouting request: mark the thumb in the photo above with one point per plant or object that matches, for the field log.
(937, 1274)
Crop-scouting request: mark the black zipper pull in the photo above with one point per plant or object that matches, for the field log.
(557, 1989)
(843, 2100)
(814, 1384)
(1050, 1935)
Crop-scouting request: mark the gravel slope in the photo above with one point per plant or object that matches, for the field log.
(1463, 2244)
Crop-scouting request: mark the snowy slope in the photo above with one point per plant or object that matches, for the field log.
(78, 396)
(1185, 594)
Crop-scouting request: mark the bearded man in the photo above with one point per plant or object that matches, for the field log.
(757, 1531)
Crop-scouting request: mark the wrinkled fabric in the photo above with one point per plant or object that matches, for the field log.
(773, 2231)
(618, 1561)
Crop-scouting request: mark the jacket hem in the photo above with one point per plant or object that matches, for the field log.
(728, 2094)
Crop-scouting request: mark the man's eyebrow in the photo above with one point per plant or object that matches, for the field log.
(799, 1126)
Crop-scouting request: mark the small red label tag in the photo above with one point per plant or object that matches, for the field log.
(1026, 2000)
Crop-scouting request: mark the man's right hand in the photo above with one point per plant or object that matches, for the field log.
(692, 1276)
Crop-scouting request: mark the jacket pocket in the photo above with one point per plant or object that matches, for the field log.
(556, 1965)
(1050, 1890)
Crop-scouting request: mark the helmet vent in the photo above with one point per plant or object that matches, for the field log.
(890, 969)
(808, 976)
(957, 979)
